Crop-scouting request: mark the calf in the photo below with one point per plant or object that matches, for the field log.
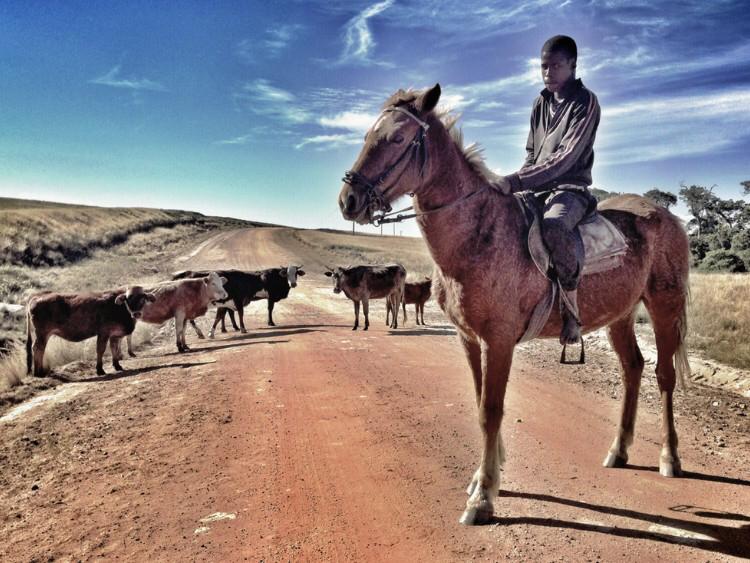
(183, 300)
(417, 293)
(362, 283)
(243, 287)
(108, 315)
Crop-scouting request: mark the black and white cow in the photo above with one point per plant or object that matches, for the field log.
(362, 283)
(244, 287)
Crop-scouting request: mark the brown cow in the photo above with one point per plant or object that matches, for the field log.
(417, 293)
(108, 315)
(183, 300)
(362, 283)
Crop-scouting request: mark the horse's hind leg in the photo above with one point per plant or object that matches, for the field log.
(667, 318)
(622, 338)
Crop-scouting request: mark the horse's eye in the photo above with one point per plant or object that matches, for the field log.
(398, 139)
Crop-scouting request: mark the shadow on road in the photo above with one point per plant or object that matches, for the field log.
(696, 476)
(727, 540)
(133, 372)
(423, 332)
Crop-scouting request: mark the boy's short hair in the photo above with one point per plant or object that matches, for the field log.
(561, 44)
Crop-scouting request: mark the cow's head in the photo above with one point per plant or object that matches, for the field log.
(215, 284)
(336, 274)
(291, 273)
(134, 300)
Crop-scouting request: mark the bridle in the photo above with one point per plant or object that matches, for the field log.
(374, 199)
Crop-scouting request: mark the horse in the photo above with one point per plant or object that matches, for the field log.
(469, 228)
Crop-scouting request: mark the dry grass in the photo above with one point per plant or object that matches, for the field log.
(138, 246)
(719, 317)
(372, 249)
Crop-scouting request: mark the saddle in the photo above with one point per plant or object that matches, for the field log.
(604, 249)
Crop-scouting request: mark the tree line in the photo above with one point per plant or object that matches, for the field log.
(719, 229)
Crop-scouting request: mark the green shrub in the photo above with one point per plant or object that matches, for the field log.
(722, 261)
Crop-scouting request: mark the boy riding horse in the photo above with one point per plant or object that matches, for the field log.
(557, 169)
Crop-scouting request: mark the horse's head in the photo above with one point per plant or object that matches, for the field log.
(393, 161)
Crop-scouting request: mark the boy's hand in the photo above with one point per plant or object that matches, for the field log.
(502, 185)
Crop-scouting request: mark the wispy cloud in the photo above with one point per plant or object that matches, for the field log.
(261, 97)
(358, 40)
(275, 41)
(113, 79)
(331, 141)
(656, 129)
(351, 120)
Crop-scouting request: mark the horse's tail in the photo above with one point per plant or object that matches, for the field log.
(28, 340)
(681, 363)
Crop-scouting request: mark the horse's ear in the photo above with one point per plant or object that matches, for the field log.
(429, 99)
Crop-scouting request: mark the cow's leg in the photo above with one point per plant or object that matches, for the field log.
(220, 312)
(184, 336)
(622, 338)
(197, 330)
(130, 345)
(114, 347)
(38, 347)
(356, 315)
(231, 318)
(101, 347)
(366, 311)
(395, 300)
(421, 310)
(496, 360)
(270, 312)
(179, 331)
(241, 316)
(388, 313)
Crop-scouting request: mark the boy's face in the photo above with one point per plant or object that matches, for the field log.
(557, 69)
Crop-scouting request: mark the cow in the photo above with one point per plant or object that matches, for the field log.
(244, 287)
(183, 300)
(362, 283)
(417, 293)
(108, 315)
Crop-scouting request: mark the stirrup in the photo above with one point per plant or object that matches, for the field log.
(581, 359)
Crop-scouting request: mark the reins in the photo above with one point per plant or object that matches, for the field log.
(375, 200)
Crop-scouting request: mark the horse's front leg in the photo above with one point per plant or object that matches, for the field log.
(496, 358)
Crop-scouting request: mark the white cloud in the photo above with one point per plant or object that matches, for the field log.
(351, 120)
(276, 40)
(657, 129)
(331, 141)
(358, 39)
(112, 78)
(261, 97)
(242, 140)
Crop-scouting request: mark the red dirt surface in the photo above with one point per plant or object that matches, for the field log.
(310, 442)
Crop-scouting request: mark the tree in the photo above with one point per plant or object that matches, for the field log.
(746, 187)
(722, 261)
(701, 202)
(665, 199)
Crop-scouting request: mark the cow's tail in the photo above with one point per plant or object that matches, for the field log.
(28, 340)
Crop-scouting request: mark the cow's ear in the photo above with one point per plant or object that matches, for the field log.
(329, 274)
(223, 280)
(120, 299)
(150, 297)
(300, 272)
(283, 272)
(206, 280)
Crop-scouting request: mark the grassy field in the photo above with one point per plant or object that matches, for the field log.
(67, 248)
(719, 317)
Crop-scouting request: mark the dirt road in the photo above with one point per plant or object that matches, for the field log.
(310, 442)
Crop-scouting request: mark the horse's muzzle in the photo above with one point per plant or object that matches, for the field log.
(353, 206)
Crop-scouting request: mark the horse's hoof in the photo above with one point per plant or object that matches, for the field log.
(118, 367)
(670, 468)
(476, 516)
(614, 460)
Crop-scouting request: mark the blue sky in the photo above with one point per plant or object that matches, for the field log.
(255, 109)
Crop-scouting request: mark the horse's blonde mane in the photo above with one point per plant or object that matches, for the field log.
(473, 153)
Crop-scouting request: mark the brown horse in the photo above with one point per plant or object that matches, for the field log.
(470, 228)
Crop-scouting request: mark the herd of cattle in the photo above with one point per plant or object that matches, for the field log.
(111, 315)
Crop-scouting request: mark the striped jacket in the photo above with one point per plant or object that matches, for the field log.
(560, 149)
